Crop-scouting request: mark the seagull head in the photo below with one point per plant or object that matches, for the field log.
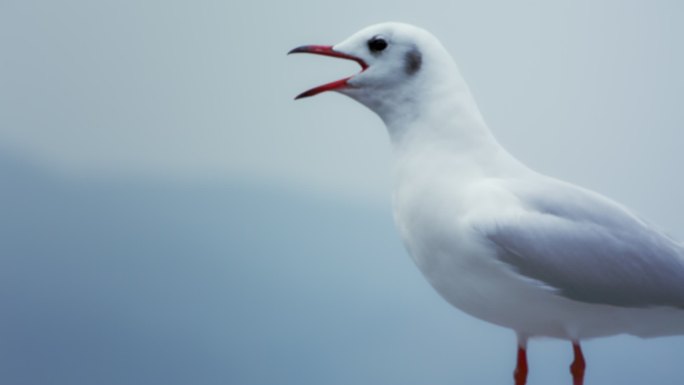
(398, 63)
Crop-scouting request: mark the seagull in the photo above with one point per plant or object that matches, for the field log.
(495, 238)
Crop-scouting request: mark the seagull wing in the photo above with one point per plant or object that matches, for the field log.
(587, 247)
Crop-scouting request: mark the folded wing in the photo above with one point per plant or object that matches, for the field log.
(587, 247)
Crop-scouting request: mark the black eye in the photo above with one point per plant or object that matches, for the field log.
(377, 44)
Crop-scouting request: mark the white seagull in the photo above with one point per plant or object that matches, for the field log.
(496, 239)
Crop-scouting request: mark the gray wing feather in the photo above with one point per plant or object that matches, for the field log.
(589, 248)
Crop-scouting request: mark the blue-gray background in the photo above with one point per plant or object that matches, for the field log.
(168, 215)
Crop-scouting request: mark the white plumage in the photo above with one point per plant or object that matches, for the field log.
(495, 238)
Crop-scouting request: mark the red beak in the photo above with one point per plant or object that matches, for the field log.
(327, 50)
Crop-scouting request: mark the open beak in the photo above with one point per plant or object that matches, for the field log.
(327, 50)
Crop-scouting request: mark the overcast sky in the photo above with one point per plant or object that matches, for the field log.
(584, 90)
(201, 92)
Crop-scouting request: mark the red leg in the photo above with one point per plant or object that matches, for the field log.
(520, 374)
(578, 365)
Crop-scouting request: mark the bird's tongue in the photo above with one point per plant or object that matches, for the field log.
(326, 50)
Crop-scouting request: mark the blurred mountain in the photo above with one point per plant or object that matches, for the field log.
(112, 281)
(138, 282)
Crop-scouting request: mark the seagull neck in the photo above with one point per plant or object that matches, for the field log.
(444, 116)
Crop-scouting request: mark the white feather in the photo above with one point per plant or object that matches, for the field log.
(495, 238)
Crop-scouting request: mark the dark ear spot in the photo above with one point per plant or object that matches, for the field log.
(412, 61)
